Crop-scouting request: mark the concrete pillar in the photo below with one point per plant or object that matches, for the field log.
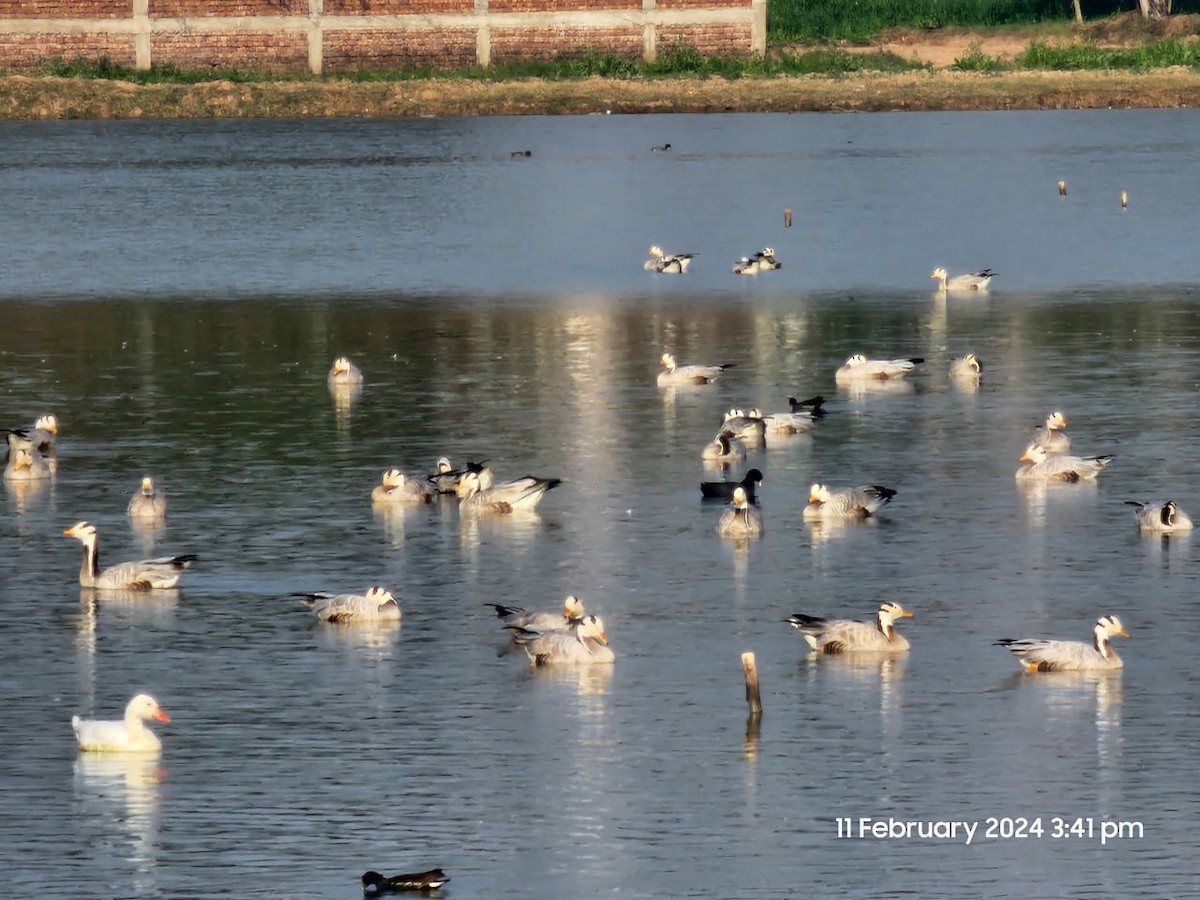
(141, 34)
(758, 27)
(483, 35)
(316, 36)
(649, 31)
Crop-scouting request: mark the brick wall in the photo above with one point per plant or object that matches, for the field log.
(331, 36)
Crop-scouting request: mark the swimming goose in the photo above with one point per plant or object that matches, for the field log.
(396, 487)
(42, 437)
(584, 642)
(846, 503)
(974, 281)
(572, 611)
(660, 148)
(1162, 518)
(667, 263)
(344, 372)
(723, 490)
(673, 374)
(1038, 465)
(147, 503)
(858, 368)
(374, 884)
(128, 735)
(741, 519)
(966, 368)
(801, 418)
(848, 636)
(142, 575)
(24, 462)
(745, 425)
(376, 605)
(762, 261)
(1050, 436)
(445, 479)
(477, 492)
(1043, 655)
(724, 449)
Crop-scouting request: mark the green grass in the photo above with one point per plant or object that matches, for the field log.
(1171, 52)
(975, 60)
(861, 20)
(105, 69)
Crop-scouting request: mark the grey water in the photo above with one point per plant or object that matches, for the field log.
(175, 292)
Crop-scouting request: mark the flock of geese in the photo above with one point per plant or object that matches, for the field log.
(1046, 459)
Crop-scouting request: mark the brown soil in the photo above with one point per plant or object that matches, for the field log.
(24, 97)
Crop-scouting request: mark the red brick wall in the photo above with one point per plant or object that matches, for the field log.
(61, 9)
(205, 8)
(396, 7)
(565, 5)
(510, 44)
(249, 51)
(357, 51)
(711, 40)
(27, 51)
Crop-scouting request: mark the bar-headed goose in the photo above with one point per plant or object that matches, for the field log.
(1050, 436)
(143, 575)
(1161, 518)
(375, 885)
(741, 520)
(376, 605)
(859, 368)
(843, 504)
(128, 735)
(723, 490)
(478, 493)
(43, 436)
(1044, 655)
(967, 368)
(673, 374)
(445, 478)
(572, 611)
(747, 426)
(1038, 465)
(397, 488)
(148, 503)
(849, 636)
(584, 642)
(344, 372)
(24, 462)
(724, 449)
(972, 281)
(667, 263)
(762, 261)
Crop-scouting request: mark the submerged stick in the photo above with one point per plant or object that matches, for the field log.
(753, 697)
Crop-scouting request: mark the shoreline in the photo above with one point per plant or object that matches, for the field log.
(26, 98)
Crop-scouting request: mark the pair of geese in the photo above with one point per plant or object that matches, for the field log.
(743, 520)
(846, 636)
(32, 452)
(475, 486)
(664, 263)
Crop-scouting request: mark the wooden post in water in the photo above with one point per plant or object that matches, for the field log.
(1124, 200)
(787, 218)
(753, 697)
(1062, 189)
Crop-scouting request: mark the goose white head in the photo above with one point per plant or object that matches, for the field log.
(381, 596)
(82, 531)
(143, 706)
(1055, 420)
(739, 498)
(656, 251)
(818, 493)
(393, 478)
(572, 607)
(1034, 454)
(856, 360)
(889, 612)
(47, 423)
(668, 362)
(591, 627)
(443, 466)
(1109, 627)
(147, 486)
(940, 273)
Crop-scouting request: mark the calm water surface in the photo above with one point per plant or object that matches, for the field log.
(175, 293)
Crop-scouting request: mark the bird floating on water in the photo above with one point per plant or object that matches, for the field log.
(848, 636)
(972, 281)
(374, 884)
(1045, 655)
(127, 735)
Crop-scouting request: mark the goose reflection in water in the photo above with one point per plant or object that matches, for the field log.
(344, 398)
(124, 788)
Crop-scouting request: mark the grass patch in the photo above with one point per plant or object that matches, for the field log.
(975, 60)
(862, 20)
(106, 70)
(1063, 57)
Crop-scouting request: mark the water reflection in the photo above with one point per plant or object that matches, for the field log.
(125, 788)
(861, 391)
(381, 638)
(583, 680)
(26, 496)
(148, 532)
(344, 397)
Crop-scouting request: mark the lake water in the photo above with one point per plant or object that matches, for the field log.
(176, 291)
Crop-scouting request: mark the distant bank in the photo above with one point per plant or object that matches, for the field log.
(35, 97)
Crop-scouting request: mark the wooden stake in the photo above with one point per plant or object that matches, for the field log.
(787, 218)
(1124, 199)
(1062, 189)
(753, 697)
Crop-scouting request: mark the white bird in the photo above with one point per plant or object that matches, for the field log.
(376, 605)
(42, 437)
(397, 488)
(1038, 465)
(142, 575)
(445, 479)
(762, 261)
(740, 519)
(667, 263)
(344, 372)
(24, 462)
(858, 368)
(747, 426)
(583, 643)
(724, 449)
(1050, 437)
(148, 503)
(673, 374)
(967, 368)
(973, 281)
(478, 493)
(849, 636)
(572, 611)
(128, 735)
(846, 503)
(1161, 518)
(1044, 655)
